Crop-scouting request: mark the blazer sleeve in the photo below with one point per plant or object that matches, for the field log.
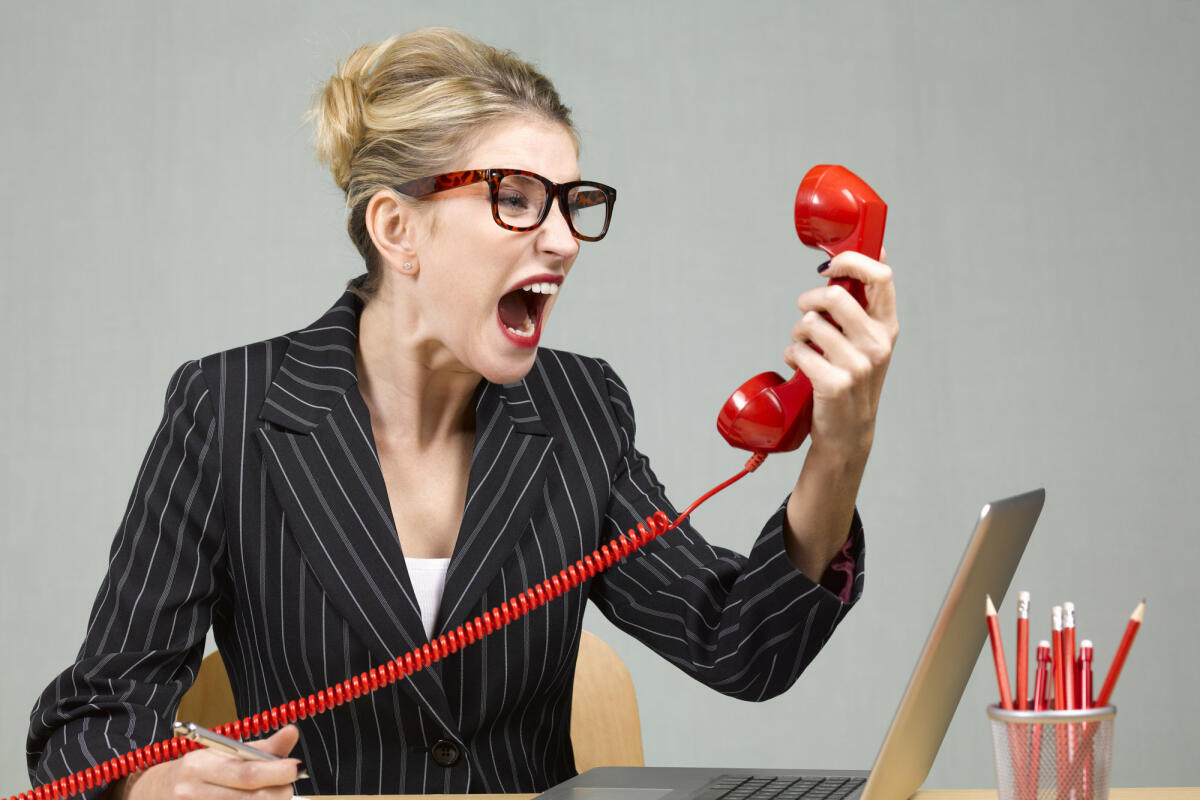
(145, 636)
(746, 626)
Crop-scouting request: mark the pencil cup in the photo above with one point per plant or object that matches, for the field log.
(1052, 755)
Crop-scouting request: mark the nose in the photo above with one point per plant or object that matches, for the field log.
(555, 235)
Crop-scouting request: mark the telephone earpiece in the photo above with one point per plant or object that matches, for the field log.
(836, 211)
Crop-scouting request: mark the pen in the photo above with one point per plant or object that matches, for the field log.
(215, 741)
(1023, 651)
(1114, 671)
(1072, 701)
(993, 624)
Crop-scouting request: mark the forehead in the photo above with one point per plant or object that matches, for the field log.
(546, 148)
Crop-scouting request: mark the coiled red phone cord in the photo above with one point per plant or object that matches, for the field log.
(450, 642)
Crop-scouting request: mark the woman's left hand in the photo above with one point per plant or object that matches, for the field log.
(847, 376)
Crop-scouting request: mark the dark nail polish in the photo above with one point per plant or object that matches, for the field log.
(823, 267)
(301, 773)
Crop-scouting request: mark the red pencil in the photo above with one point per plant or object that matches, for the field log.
(1023, 651)
(1041, 678)
(1114, 671)
(1085, 674)
(993, 624)
(1085, 702)
(1060, 686)
(1072, 700)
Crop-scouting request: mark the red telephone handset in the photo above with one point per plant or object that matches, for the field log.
(835, 211)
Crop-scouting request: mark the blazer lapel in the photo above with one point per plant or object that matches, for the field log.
(320, 455)
(512, 452)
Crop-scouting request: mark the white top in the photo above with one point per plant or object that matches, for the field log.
(428, 576)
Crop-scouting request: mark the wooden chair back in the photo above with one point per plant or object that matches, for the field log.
(605, 729)
(209, 703)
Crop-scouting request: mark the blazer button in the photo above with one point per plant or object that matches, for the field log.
(445, 752)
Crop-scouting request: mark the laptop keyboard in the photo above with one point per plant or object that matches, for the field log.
(775, 787)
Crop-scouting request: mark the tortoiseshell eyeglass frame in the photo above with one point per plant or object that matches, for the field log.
(590, 194)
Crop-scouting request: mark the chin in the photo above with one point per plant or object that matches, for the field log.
(509, 370)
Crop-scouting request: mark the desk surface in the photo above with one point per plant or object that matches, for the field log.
(1188, 793)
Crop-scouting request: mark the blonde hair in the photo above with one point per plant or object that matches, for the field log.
(407, 107)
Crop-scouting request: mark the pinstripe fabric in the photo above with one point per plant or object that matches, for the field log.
(261, 510)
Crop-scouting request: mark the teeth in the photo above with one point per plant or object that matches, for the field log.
(526, 331)
(541, 288)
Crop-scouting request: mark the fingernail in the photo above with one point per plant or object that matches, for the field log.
(823, 267)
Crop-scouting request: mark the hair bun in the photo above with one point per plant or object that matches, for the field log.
(338, 110)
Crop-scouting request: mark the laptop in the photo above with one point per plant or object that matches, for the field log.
(920, 723)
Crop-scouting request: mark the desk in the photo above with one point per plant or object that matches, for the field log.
(1182, 793)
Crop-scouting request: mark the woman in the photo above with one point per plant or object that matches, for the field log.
(328, 499)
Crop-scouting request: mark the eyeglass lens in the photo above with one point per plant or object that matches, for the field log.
(521, 198)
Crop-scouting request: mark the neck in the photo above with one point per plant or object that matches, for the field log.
(418, 394)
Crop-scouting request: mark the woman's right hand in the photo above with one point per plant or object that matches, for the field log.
(206, 774)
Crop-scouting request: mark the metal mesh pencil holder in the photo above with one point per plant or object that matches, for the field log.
(1052, 755)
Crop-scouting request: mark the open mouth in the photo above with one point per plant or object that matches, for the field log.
(520, 311)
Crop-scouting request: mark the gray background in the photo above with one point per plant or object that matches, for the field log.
(160, 201)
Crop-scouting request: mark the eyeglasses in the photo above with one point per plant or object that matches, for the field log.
(521, 200)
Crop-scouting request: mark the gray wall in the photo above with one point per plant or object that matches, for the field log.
(160, 201)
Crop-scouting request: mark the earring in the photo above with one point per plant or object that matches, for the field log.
(407, 265)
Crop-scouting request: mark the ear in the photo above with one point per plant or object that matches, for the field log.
(394, 229)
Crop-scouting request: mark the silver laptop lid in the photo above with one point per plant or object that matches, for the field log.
(953, 647)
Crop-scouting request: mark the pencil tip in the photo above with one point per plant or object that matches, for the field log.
(1139, 612)
(991, 608)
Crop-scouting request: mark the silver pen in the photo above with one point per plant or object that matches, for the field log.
(190, 730)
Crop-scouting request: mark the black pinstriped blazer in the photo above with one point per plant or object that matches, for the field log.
(261, 510)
